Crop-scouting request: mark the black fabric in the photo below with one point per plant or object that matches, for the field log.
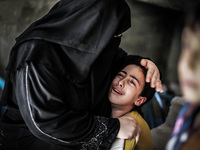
(58, 77)
(55, 113)
(85, 26)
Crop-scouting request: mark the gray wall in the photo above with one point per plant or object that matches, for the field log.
(15, 17)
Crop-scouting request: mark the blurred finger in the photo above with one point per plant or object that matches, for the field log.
(153, 82)
(155, 77)
(144, 62)
(159, 86)
(137, 137)
(149, 75)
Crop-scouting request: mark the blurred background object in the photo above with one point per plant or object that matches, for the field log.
(2, 108)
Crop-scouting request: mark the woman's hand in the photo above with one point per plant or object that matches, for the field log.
(129, 129)
(153, 74)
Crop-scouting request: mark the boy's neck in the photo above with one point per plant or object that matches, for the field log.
(116, 113)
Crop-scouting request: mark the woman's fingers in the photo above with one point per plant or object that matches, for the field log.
(153, 74)
(129, 128)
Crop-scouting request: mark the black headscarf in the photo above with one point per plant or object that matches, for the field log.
(84, 28)
(82, 24)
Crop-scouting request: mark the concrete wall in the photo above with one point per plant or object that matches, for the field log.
(180, 5)
(15, 17)
(154, 33)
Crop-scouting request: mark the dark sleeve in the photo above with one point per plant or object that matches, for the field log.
(47, 111)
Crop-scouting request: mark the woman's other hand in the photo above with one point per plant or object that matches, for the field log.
(129, 129)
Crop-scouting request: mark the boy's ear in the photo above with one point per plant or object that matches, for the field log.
(140, 101)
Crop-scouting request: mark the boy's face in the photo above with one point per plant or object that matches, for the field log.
(189, 65)
(126, 87)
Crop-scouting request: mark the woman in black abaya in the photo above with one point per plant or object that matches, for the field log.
(58, 77)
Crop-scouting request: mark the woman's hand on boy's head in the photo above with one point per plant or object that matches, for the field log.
(153, 74)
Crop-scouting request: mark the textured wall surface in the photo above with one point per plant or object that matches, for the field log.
(154, 33)
(180, 5)
(15, 17)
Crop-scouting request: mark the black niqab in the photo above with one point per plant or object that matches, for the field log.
(86, 26)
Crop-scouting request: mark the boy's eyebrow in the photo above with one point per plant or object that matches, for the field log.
(135, 79)
(124, 72)
(131, 76)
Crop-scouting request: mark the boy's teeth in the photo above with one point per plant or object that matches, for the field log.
(117, 91)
